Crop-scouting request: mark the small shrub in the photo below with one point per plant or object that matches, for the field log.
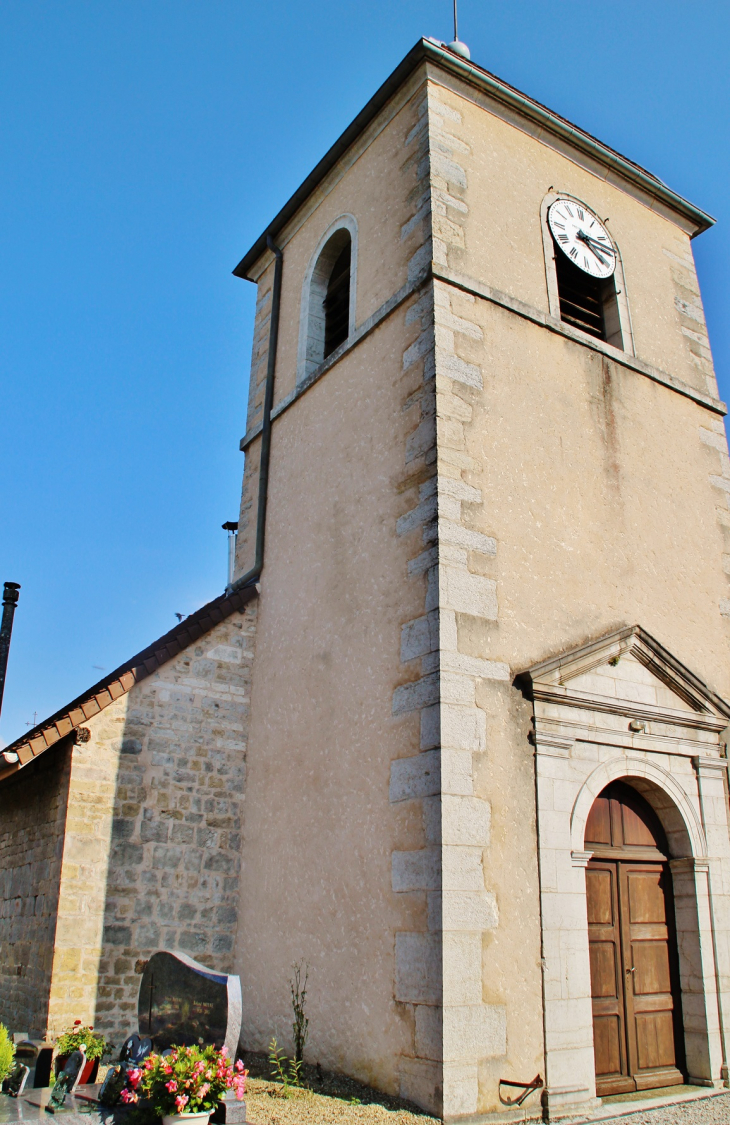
(7, 1052)
(70, 1041)
(279, 1068)
(300, 1026)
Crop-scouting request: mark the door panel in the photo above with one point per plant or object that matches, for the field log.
(651, 962)
(655, 1040)
(646, 939)
(604, 969)
(633, 977)
(604, 943)
(646, 897)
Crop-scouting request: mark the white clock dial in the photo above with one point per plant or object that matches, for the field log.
(582, 237)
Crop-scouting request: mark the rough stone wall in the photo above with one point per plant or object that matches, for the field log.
(439, 970)
(83, 880)
(175, 856)
(32, 816)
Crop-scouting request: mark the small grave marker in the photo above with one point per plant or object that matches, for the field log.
(67, 1080)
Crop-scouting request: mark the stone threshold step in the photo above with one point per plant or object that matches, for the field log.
(613, 1109)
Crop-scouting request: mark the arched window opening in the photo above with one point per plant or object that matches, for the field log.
(337, 302)
(328, 305)
(585, 277)
(586, 302)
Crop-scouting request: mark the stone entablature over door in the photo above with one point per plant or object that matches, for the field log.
(623, 707)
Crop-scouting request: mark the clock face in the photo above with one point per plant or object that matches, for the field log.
(582, 237)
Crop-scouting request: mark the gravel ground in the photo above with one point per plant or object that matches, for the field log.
(333, 1098)
(265, 1106)
(706, 1111)
(328, 1098)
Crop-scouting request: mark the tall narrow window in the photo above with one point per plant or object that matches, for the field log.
(337, 302)
(328, 305)
(586, 271)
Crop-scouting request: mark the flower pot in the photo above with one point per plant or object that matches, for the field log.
(88, 1074)
(188, 1118)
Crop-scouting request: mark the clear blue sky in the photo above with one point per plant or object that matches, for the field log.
(145, 144)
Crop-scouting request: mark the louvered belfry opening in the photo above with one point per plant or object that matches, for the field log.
(582, 297)
(337, 302)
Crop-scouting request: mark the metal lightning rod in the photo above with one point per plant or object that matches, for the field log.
(457, 46)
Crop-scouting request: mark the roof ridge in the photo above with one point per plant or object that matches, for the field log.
(122, 679)
(430, 50)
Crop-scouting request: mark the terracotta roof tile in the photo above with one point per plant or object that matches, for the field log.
(122, 679)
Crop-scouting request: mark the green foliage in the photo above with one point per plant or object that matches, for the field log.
(300, 1026)
(280, 1067)
(7, 1052)
(70, 1041)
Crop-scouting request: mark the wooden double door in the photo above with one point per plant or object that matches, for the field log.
(637, 1026)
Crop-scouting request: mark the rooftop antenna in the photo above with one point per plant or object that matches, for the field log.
(457, 46)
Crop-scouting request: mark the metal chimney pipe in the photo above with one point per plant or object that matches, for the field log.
(232, 529)
(10, 600)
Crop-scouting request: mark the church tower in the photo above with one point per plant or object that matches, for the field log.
(486, 791)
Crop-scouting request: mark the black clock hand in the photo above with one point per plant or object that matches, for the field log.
(591, 243)
(594, 242)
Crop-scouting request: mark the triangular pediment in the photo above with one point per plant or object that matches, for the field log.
(631, 673)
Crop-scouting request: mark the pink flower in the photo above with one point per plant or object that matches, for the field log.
(239, 1064)
(171, 1086)
(129, 1096)
(181, 1101)
(134, 1077)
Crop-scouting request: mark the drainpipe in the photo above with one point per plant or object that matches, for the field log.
(10, 600)
(252, 576)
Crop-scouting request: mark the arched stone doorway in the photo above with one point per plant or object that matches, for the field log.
(623, 709)
(638, 1038)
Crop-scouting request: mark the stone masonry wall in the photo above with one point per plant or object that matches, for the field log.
(176, 836)
(83, 879)
(32, 817)
(439, 971)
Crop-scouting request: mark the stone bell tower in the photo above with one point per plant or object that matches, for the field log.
(485, 443)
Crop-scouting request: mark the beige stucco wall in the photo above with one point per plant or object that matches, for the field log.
(509, 172)
(535, 493)
(605, 493)
(319, 831)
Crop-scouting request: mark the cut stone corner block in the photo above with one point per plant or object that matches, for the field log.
(421, 1082)
(460, 1090)
(569, 1103)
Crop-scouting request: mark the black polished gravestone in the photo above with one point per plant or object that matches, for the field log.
(182, 1003)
